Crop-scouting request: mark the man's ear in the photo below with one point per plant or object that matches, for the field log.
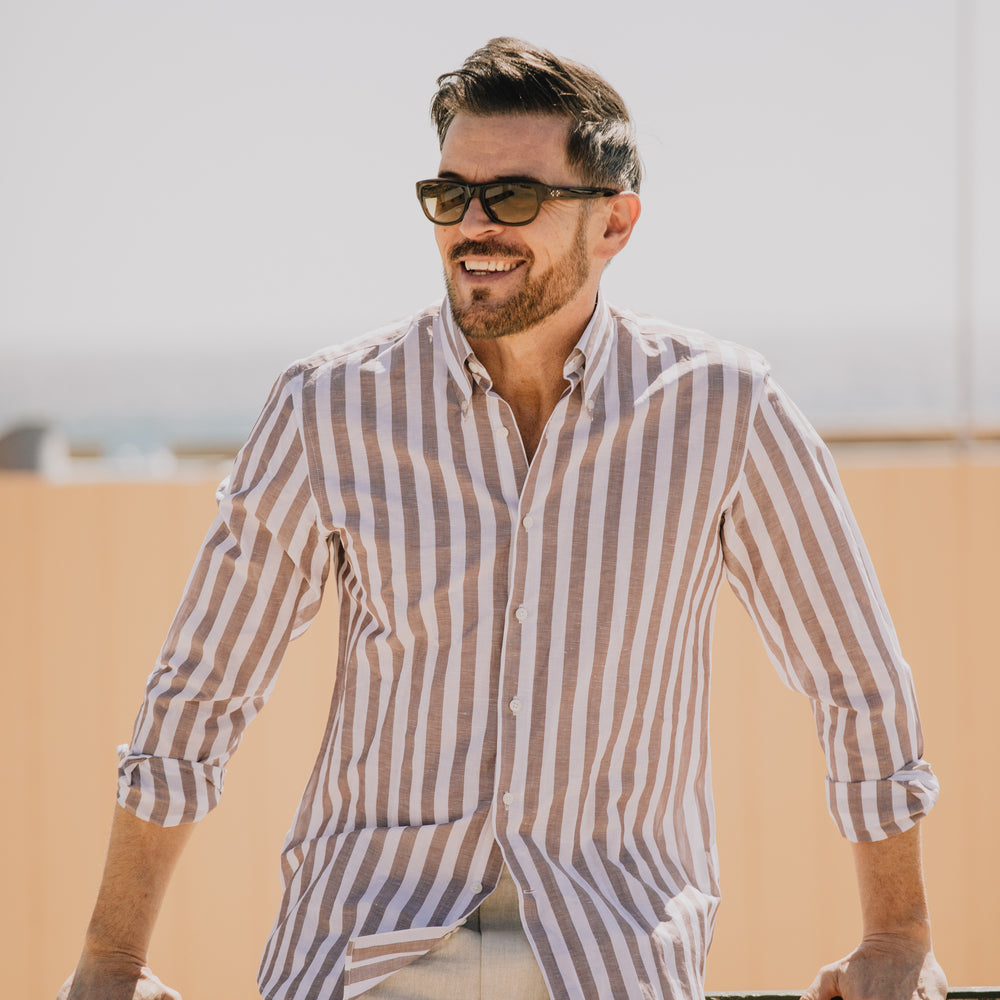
(621, 214)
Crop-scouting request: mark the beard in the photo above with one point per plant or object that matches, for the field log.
(483, 319)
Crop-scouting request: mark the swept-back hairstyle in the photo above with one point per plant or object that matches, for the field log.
(508, 76)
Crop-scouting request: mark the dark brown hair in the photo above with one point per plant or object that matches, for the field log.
(508, 76)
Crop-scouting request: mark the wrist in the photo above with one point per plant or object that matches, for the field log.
(916, 933)
(97, 951)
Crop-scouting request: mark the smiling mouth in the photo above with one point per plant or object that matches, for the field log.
(488, 266)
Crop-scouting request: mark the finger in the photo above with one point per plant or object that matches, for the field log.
(154, 988)
(825, 986)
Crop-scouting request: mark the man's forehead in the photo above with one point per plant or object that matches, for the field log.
(485, 147)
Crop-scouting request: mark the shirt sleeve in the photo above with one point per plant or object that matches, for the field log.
(797, 562)
(256, 583)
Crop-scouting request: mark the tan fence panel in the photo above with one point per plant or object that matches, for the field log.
(91, 575)
(788, 881)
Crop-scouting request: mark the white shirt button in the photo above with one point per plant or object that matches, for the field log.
(465, 406)
(507, 798)
(505, 432)
(477, 888)
(528, 521)
(515, 705)
(521, 614)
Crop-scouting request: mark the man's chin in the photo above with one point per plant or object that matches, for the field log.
(479, 324)
(481, 315)
(481, 319)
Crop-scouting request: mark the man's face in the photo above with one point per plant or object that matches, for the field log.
(537, 269)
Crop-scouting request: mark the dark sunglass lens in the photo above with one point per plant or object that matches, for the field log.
(511, 203)
(444, 203)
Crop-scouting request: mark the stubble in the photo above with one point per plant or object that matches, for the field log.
(539, 298)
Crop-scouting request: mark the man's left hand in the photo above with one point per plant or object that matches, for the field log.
(882, 967)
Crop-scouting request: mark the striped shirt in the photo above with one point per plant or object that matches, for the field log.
(524, 648)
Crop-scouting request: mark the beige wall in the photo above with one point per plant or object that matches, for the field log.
(91, 574)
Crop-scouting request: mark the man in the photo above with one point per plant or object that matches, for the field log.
(527, 500)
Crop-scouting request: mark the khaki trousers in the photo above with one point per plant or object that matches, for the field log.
(487, 958)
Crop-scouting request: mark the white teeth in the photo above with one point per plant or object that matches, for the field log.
(488, 265)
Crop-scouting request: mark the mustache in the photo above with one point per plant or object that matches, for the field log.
(489, 248)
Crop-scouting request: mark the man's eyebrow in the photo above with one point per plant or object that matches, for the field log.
(522, 177)
(450, 175)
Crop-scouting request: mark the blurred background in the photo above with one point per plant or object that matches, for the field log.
(194, 194)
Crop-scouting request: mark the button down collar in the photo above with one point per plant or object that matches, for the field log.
(592, 352)
(589, 356)
(457, 352)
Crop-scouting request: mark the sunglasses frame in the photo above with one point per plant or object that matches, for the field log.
(543, 193)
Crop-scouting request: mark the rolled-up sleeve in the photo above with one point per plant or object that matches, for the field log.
(256, 583)
(797, 562)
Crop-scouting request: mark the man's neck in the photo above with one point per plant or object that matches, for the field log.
(527, 370)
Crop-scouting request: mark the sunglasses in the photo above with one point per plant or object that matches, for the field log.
(510, 203)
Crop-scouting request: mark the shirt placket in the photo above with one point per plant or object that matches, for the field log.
(518, 718)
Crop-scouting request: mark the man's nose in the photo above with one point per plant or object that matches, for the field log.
(476, 222)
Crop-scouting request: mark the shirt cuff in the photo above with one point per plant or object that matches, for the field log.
(167, 791)
(872, 810)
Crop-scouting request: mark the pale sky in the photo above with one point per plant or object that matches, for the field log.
(236, 178)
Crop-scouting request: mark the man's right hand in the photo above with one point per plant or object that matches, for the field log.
(114, 979)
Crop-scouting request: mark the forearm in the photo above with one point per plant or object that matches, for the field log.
(141, 858)
(891, 886)
(894, 960)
